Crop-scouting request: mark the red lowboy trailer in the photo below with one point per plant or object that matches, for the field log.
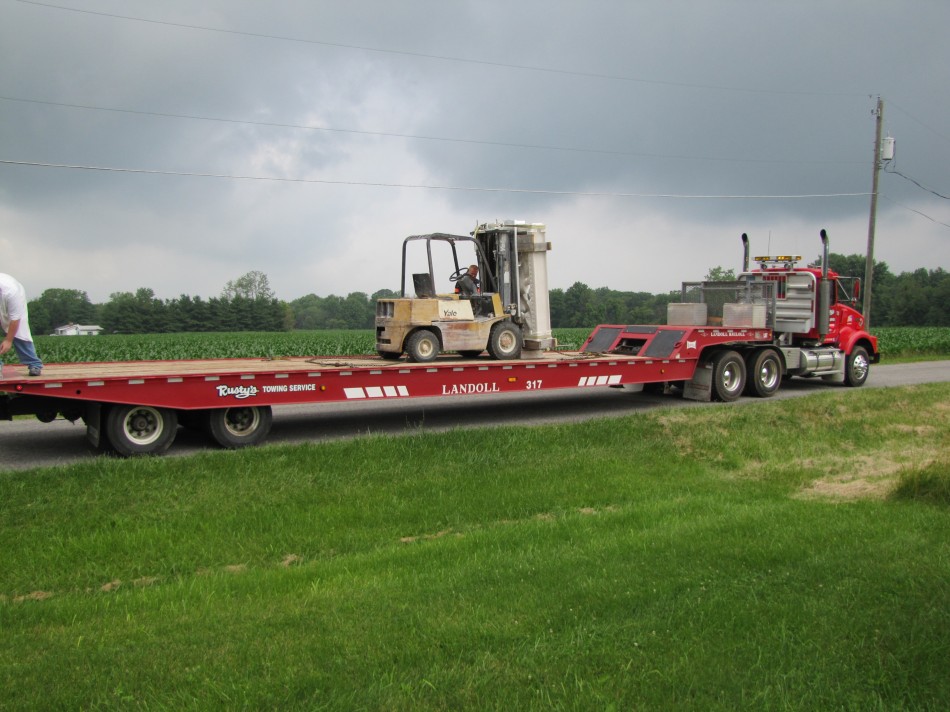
(136, 408)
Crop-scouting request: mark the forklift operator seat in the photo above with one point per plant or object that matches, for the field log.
(422, 283)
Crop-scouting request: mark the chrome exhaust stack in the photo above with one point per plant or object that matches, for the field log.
(824, 290)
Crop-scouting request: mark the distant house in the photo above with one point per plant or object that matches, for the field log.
(77, 330)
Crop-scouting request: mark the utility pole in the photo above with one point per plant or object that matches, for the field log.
(869, 265)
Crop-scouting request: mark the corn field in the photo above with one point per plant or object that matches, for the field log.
(913, 340)
(893, 341)
(257, 344)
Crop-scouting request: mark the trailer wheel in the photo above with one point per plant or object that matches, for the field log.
(728, 376)
(504, 342)
(239, 427)
(422, 346)
(140, 430)
(763, 373)
(856, 367)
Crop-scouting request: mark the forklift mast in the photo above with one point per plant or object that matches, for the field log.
(516, 268)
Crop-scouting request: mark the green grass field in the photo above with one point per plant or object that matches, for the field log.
(770, 555)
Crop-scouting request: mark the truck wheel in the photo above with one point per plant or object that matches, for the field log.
(728, 376)
(140, 430)
(504, 342)
(422, 346)
(763, 373)
(856, 367)
(239, 427)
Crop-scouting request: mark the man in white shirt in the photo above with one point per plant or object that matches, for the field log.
(15, 324)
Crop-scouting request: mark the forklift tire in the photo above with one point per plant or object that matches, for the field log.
(504, 342)
(856, 367)
(728, 379)
(423, 346)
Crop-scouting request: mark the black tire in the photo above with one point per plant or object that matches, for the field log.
(471, 353)
(856, 367)
(390, 355)
(763, 373)
(140, 430)
(504, 342)
(239, 426)
(423, 346)
(728, 376)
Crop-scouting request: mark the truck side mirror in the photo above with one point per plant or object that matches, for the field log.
(857, 289)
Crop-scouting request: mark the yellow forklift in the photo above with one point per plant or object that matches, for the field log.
(508, 314)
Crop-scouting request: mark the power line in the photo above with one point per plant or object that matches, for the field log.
(445, 58)
(919, 185)
(419, 137)
(914, 118)
(533, 191)
(914, 210)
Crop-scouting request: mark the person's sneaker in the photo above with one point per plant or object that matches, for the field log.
(35, 370)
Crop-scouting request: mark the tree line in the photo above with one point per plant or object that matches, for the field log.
(918, 298)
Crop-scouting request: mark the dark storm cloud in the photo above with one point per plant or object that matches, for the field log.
(603, 97)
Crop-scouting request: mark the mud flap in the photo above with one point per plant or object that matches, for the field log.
(699, 388)
(93, 418)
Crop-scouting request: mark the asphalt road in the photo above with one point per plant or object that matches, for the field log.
(28, 443)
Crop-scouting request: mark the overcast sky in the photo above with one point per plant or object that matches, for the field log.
(307, 138)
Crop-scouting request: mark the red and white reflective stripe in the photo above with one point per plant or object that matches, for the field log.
(599, 380)
(376, 392)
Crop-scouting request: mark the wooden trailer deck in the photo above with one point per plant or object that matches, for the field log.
(106, 370)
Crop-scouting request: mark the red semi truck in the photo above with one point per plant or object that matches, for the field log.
(776, 321)
(721, 340)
